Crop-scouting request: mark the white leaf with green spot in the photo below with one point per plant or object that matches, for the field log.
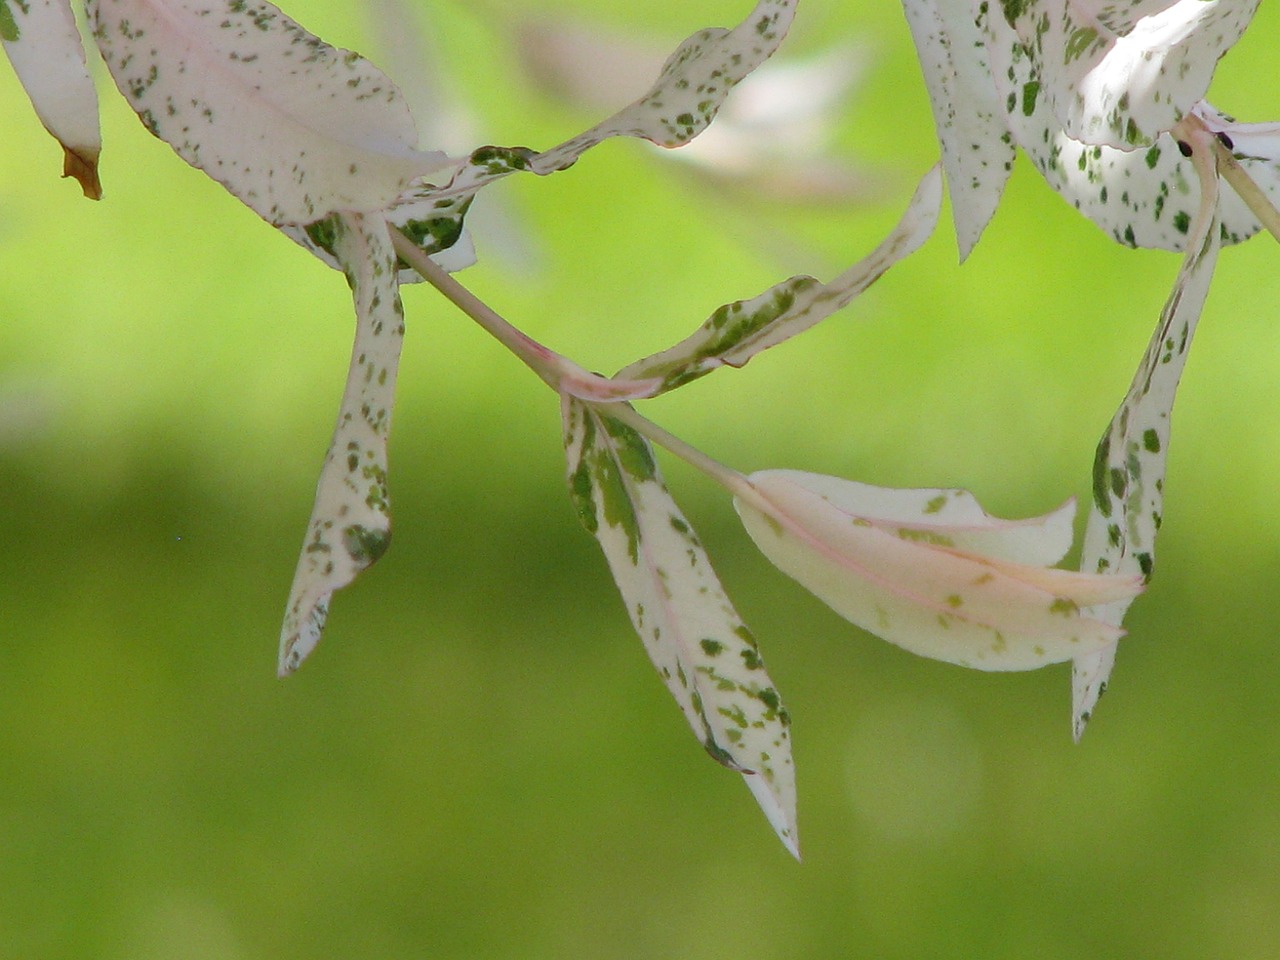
(696, 640)
(294, 128)
(977, 152)
(1143, 197)
(688, 93)
(1128, 477)
(1111, 76)
(350, 526)
(44, 46)
(738, 331)
(930, 571)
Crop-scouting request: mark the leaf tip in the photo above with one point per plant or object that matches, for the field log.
(82, 164)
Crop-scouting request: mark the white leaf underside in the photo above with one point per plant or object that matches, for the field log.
(350, 524)
(1123, 87)
(699, 645)
(1130, 466)
(294, 128)
(925, 588)
(48, 57)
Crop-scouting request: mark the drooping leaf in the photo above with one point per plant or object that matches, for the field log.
(1128, 473)
(1120, 74)
(350, 526)
(702, 650)
(977, 151)
(738, 331)
(291, 126)
(44, 46)
(948, 591)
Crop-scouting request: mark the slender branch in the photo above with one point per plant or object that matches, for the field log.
(556, 370)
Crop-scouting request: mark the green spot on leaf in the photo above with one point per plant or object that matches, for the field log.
(8, 26)
(1151, 441)
(712, 648)
(365, 545)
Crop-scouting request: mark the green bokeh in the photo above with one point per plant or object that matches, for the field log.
(479, 762)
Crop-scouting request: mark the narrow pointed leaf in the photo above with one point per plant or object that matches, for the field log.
(44, 46)
(293, 127)
(738, 331)
(702, 650)
(350, 526)
(977, 152)
(685, 98)
(1128, 473)
(920, 585)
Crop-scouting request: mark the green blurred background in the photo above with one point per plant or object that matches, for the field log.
(479, 762)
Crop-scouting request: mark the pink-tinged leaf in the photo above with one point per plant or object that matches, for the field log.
(926, 586)
(702, 650)
(350, 526)
(294, 128)
(1128, 472)
(1112, 77)
(977, 152)
(738, 331)
(43, 44)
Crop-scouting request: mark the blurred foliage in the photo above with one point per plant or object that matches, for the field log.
(460, 771)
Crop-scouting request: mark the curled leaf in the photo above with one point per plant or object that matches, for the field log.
(350, 526)
(702, 650)
(738, 331)
(44, 46)
(294, 128)
(929, 571)
(1128, 472)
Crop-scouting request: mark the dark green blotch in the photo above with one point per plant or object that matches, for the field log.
(435, 233)
(1030, 90)
(722, 756)
(1182, 221)
(8, 26)
(1153, 157)
(712, 648)
(634, 453)
(1101, 497)
(1013, 9)
(324, 233)
(1151, 441)
(1119, 482)
(499, 160)
(364, 545)
(1146, 563)
(751, 659)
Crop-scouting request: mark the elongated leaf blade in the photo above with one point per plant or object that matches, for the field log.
(44, 46)
(291, 126)
(350, 526)
(917, 586)
(702, 650)
(977, 152)
(688, 93)
(1128, 479)
(738, 331)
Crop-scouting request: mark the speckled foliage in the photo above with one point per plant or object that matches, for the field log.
(1105, 98)
(701, 648)
(350, 525)
(294, 128)
(43, 44)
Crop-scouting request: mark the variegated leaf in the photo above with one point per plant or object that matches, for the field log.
(1144, 197)
(1111, 77)
(44, 46)
(738, 331)
(682, 102)
(1128, 472)
(969, 590)
(435, 227)
(291, 126)
(350, 526)
(977, 151)
(702, 650)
